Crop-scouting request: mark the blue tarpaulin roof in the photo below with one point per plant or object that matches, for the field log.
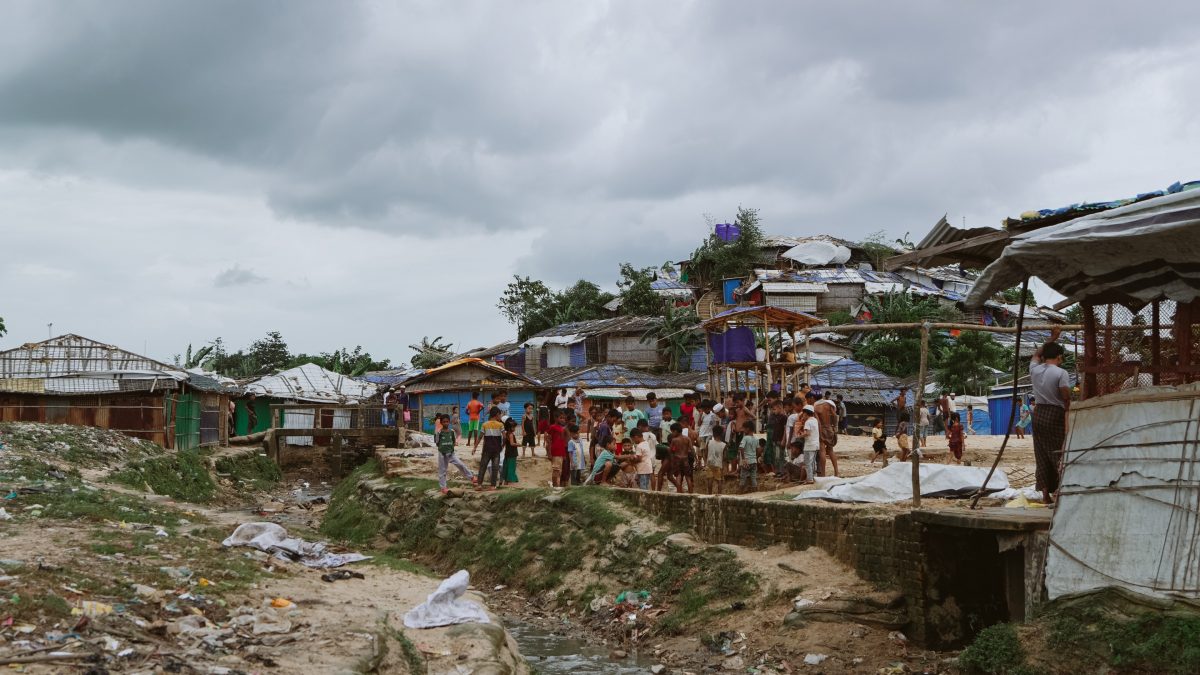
(857, 382)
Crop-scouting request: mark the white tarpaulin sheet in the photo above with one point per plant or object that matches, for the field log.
(312, 383)
(894, 484)
(818, 253)
(1133, 255)
(274, 539)
(446, 606)
(1126, 514)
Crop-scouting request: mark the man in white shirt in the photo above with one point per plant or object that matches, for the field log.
(812, 441)
(1052, 394)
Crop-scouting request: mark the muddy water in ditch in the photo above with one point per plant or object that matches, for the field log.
(550, 654)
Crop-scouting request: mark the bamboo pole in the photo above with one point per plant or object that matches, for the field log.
(916, 456)
(1012, 413)
(767, 344)
(808, 356)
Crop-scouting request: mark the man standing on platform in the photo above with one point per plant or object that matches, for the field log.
(1052, 394)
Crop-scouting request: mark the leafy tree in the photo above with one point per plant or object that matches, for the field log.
(840, 318)
(523, 303)
(583, 301)
(343, 361)
(1074, 313)
(676, 337)
(877, 248)
(1013, 296)
(270, 353)
(3, 330)
(431, 353)
(964, 364)
(898, 352)
(715, 259)
(637, 296)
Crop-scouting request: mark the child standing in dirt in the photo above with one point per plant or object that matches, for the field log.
(556, 444)
(902, 437)
(714, 447)
(954, 436)
(878, 444)
(510, 452)
(528, 430)
(543, 425)
(444, 438)
(492, 437)
(747, 459)
(474, 407)
(577, 455)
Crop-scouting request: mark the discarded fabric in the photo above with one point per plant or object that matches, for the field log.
(445, 606)
(274, 539)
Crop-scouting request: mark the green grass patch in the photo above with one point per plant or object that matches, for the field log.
(182, 476)
(252, 469)
(47, 604)
(996, 651)
(346, 519)
(698, 585)
(416, 484)
(100, 505)
(390, 561)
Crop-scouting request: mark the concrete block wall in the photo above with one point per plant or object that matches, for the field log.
(883, 547)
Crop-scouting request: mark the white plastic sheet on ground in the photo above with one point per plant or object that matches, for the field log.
(446, 606)
(274, 539)
(894, 484)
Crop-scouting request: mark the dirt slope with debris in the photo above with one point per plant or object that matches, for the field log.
(99, 577)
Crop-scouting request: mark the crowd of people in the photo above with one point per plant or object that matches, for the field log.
(648, 448)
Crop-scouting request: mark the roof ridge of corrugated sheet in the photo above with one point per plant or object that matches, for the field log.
(81, 342)
(592, 327)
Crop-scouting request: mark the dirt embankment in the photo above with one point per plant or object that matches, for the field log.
(98, 575)
(582, 562)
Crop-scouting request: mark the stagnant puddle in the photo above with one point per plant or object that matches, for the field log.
(551, 653)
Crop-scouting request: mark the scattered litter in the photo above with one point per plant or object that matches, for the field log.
(445, 606)
(269, 622)
(272, 538)
(631, 596)
(177, 573)
(341, 574)
(815, 659)
(203, 582)
(500, 588)
(4, 514)
(159, 532)
(188, 624)
(144, 591)
(801, 603)
(92, 609)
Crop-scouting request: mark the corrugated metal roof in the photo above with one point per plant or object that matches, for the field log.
(603, 375)
(793, 287)
(1131, 255)
(856, 382)
(586, 329)
(670, 285)
(478, 363)
(776, 315)
(311, 382)
(73, 364)
(639, 393)
(390, 378)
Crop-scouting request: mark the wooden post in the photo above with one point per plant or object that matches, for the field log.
(1155, 359)
(807, 357)
(335, 459)
(1090, 358)
(274, 445)
(767, 340)
(916, 456)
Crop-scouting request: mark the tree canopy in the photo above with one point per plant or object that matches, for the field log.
(717, 259)
(964, 365)
(637, 296)
(431, 353)
(898, 352)
(271, 355)
(533, 306)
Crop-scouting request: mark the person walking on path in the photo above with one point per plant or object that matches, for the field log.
(556, 443)
(1024, 419)
(474, 407)
(529, 430)
(1052, 396)
(444, 437)
(955, 437)
(827, 417)
(922, 424)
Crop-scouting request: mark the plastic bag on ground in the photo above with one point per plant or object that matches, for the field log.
(445, 606)
(273, 538)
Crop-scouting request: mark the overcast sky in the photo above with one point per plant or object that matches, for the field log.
(369, 173)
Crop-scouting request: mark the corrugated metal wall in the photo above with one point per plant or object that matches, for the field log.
(442, 402)
(699, 360)
(579, 354)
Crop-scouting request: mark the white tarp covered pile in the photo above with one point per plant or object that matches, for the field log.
(894, 484)
(446, 606)
(272, 538)
(1126, 513)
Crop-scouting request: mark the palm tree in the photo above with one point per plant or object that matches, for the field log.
(431, 353)
(898, 352)
(189, 360)
(676, 336)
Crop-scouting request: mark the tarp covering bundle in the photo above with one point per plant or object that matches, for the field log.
(1131, 256)
(893, 483)
(1126, 514)
(446, 606)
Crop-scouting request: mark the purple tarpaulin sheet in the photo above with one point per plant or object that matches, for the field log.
(735, 345)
